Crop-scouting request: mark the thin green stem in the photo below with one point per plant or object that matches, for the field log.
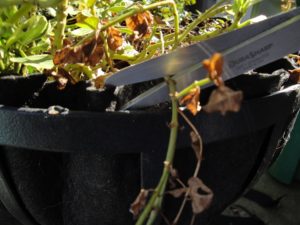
(103, 35)
(204, 37)
(193, 85)
(135, 9)
(216, 9)
(155, 201)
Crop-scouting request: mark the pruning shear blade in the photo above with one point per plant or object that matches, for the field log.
(243, 50)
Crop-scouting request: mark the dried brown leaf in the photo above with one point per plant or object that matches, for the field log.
(191, 101)
(196, 145)
(214, 66)
(61, 76)
(139, 203)
(90, 52)
(224, 99)
(202, 201)
(173, 172)
(295, 75)
(141, 22)
(176, 193)
(114, 39)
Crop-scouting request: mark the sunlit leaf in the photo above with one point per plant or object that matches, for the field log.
(214, 66)
(36, 61)
(81, 31)
(191, 101)
(125, 30)
(295, 75)
(60, 75)
(116, 9)
(114, 39)
(91, 3)
(29, 31)
(141, 22)
(90, 52)
(89, 22)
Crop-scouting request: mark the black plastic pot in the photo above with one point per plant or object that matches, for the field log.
(84, 167)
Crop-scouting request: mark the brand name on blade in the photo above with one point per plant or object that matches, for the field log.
(250, 55)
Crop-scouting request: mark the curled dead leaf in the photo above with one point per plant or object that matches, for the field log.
(295, 75)
(214, 66)
(173, 172)
(114, 39)
(99, 82)
(140, 22)
(196, 144)
(191, 101)
(176, 193)
(89, 52)
(202, 201)
(224, 99)
(139, 203)
(61, 76)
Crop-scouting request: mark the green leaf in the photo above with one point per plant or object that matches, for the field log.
(90, 22)
(29, 31)
(116, 9)
(37, 61)
(81, 31)
(91, 3)
(125, 30)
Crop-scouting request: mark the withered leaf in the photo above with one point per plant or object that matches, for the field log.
(114, 39)
(176, 193)
(90, 52)
(200, 202)
(224, 99)
(61, 76)
(140, 22)
(139, 203)
(295, 75)
(196, 145)
(214, 66)
(99, 82)
(191, 101)
(173, 172)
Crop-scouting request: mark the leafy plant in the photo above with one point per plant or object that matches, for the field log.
(91, 39)
(23, 33)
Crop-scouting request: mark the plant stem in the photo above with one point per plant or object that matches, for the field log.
(136, 9)
(61, 24)
(155, 201)
(198, 165)
(193, 85)
(103, 35)
(217, 8)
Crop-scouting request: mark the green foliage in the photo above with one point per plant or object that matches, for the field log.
(27, 30)
(23, 33)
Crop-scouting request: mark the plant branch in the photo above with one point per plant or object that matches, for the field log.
(59, 34)
(198, 165)
(193, 85)
(155, 201)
